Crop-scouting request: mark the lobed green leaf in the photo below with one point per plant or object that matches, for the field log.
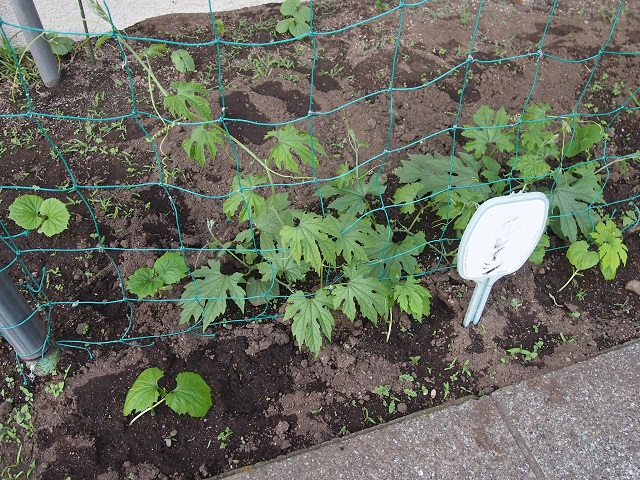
(292, 142)
(206, 297)
(413, 298)
(370, 294)
(201, 141)
(311, 319)
(190, 101)
(309, 240)
(144, 282)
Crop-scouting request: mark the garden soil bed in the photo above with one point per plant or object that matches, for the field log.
(268, 396)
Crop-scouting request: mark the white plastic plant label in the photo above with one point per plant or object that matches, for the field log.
(501, 236)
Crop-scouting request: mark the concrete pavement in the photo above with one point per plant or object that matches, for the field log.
(579, 422)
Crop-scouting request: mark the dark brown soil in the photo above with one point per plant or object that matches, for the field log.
(274, 398)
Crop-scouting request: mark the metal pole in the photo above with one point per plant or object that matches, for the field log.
(46, 62)
(28, 337)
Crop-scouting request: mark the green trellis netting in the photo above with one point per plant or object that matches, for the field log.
(36, 267)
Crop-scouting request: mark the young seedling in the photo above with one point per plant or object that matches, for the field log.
(192, 395)
(296, 20)
(167, 270)
(49, 216)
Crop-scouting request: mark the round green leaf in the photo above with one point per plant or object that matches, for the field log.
(24, 211)
(144, 392)
(170, 267)
(60, 45)
(56, 217)
(183, 61)
(289, 7)
(581, 257)
(192, 395)
(283, 25)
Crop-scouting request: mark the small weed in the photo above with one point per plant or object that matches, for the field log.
(564, 338)
(624, 306)
(223, 437)
(56, 388)
(367, 417)
(446, 387)
(515, 303)
(168, 440)
(527, 355)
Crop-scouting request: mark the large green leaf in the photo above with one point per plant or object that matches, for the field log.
(309, 240)
(491, 129)
(259, 292)
(576, 190)
(413, 298)
(170, 267)
(192, 395)
(355, 236)
(190, 101)
(394, 258)
(273, 216)
(279, 263)
(311, 318)
(144, 392)
(370, 294)
(201, 141)
(144, 282)
(437, 173)
(207, 296)
(352, 199)
(292, 142)
(244, 194)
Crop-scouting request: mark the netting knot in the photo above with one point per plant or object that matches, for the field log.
(470, 59)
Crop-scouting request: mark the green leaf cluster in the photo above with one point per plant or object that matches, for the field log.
(372, 265)
(168, 269)
(49, 216)
(191, 395)
(527, 153)
(297, 17)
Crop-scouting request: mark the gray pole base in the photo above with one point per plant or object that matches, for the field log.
(47, 364)
(24, 330)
